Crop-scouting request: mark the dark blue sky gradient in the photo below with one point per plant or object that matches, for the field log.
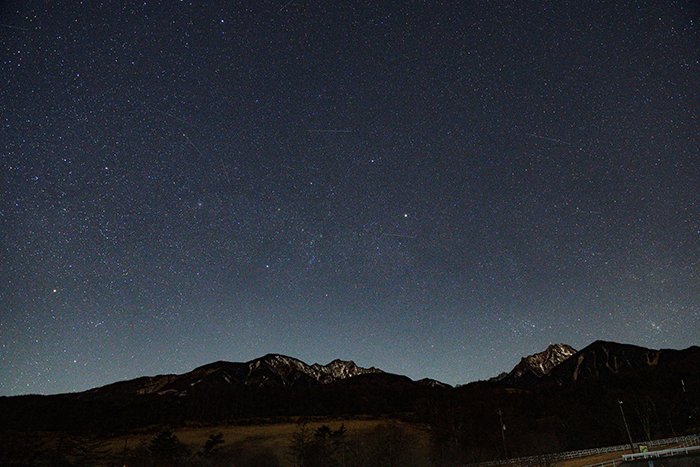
(432, 188)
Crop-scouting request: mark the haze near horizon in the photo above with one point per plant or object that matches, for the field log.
(434, 189)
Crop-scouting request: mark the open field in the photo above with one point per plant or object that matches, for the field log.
(260, 442)
(246, 445)
(270, 438)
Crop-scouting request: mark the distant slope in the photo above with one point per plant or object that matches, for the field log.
(272, 370)
(531, 369)
(546, 405)
(602, 359)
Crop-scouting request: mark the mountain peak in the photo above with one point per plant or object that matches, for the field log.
(340, 369)
(541, 363)
(605, 359)
(535, 366)
(270, 370)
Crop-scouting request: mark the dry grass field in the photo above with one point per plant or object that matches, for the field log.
(270, 438)
(250, 444)
(265, 442)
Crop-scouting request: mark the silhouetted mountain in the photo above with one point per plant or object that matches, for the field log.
(546, 406)
(602, 360)
(499, 377)
(339, 369)
(576, 405)
(532, 368)
(433, 383)
(272, 370)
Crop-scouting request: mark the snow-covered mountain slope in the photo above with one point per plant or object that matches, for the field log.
(339, 369)
(603, 359)
(535, 366)
(272, 370)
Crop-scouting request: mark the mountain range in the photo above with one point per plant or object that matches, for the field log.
(559, 398)
(275, 370)
(534, 367)
(269, 371)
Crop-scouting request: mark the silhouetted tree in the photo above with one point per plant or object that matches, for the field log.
(166, 449)
(301, 441)
(212, 445)
(324, 447)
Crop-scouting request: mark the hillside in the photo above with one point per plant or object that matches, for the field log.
(545, 406)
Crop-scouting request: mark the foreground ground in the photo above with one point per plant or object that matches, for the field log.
(269, 444)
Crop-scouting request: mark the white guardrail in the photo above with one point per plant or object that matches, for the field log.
(660, 453)
(689, 440)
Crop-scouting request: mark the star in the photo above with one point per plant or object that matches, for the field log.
(412, 179)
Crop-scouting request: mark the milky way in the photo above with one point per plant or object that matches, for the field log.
(431, 188)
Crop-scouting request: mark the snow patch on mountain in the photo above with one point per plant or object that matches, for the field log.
(542, 363)
(536, 366)
(338, 369)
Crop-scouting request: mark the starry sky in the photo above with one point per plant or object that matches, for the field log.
(432, 188)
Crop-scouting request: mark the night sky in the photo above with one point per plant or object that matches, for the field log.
(432, 188)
